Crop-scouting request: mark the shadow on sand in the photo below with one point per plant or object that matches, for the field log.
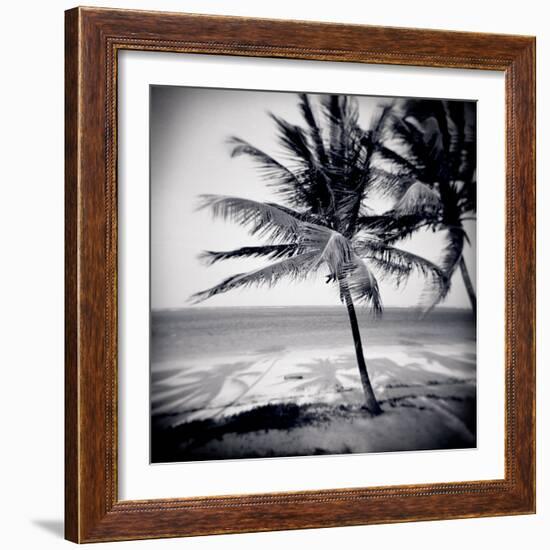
(432, 399)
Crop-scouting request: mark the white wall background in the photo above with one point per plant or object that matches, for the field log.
(31, 274)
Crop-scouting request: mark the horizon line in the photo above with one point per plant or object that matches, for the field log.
(412, 308)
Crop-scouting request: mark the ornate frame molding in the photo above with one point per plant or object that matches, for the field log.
(93, 38)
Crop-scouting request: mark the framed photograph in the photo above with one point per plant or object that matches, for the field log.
(300, 275)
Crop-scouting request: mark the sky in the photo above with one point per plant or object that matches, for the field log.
(190, 156)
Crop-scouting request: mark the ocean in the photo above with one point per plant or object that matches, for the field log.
(194, 332)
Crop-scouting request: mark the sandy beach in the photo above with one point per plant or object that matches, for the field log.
(263, 382)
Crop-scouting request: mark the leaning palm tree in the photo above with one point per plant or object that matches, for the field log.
(324, 188)
(431, 148)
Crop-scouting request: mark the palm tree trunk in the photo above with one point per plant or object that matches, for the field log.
(468, 284)
(370, 398)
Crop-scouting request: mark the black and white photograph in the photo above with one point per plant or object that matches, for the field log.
(313, 274)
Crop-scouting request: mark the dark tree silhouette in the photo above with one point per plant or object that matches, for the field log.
(431, 148)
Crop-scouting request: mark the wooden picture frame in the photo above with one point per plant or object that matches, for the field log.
(93, 511)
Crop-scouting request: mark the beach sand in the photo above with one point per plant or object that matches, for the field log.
(264, 382)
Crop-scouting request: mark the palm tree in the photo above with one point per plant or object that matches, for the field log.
(430, 145)
(324, 187)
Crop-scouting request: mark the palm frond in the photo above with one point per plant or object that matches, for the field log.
(335, 250)
(400, 161)
(467, 197)
(294, 140)
(416, 145)
(380, 122)
(452, 252)
(391, 227)
(314, 184)
(466, 155)
(290, 184)
(357, 183)
(272, 251)
(314, 129)
(269, 166)
(433, 118)
(296, 267)
(362, 284)
(266, 220)
(454, 245)
(388, 183)
(397, 263)
(419, 198)
(241, 147)
(341, 114)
